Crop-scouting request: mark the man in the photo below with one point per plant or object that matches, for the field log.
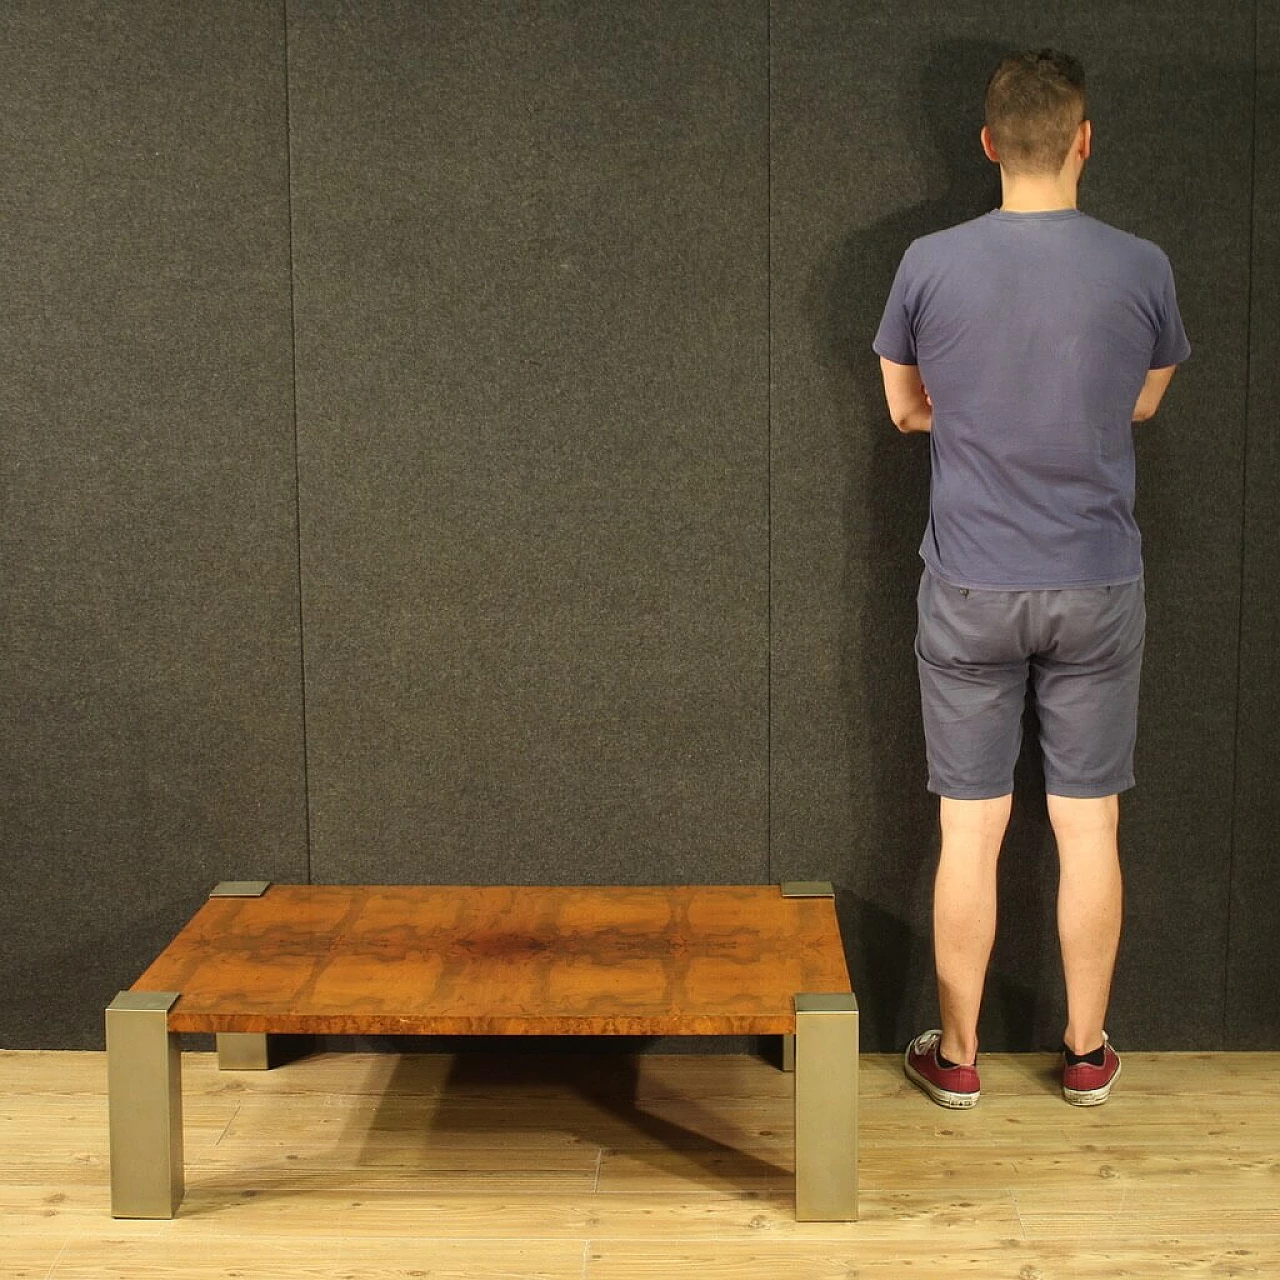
(1026, 342)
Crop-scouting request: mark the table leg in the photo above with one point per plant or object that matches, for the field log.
(788, 1053)
(242, 1051)
(826, 1108)
(144, 1103)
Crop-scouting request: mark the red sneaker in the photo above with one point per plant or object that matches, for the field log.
(947, 1086)
(1088, 1086)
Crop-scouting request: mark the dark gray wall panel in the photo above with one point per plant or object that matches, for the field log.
(531, 297)
(1253, 990)
(874, 142)
(150, 686)
(533, 328)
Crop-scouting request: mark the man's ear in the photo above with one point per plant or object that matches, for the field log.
(988, 146)
(1086, 141)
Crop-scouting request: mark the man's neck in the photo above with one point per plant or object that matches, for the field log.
(1036, 195)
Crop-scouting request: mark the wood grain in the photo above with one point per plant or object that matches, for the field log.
(1007, 1260)
(299, 1259)
(350, 1166)
(501, 960)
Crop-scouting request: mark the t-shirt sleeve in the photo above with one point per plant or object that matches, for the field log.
(896, 339)
(1171, 346)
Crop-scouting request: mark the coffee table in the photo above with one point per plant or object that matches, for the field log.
(260, 959)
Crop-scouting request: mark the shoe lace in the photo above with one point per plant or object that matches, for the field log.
(928, 1042)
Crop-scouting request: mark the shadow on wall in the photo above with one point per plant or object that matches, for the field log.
(888, 916)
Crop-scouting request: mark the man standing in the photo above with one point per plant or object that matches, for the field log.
(1027, 342)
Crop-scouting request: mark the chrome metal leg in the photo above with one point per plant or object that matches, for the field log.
(826, 1108)
(242, 1051)
(144, 1092)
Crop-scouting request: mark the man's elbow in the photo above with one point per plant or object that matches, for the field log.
(1152, 393)
(913, 420)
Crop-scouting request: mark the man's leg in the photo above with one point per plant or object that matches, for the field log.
(972, 657)
(964, 915)
(1090, 898)
(1087, 696)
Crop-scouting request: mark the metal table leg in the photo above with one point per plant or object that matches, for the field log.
(242, 1051)
(826, 1069)
(144, 1091)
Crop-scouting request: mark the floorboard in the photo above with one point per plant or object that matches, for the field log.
(585, 1167)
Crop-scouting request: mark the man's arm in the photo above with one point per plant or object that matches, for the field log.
(1153, 389)
(909, 404)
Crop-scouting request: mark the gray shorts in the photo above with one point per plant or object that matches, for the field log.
(1079, 650)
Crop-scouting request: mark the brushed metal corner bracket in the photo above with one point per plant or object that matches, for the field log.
(827, 1002)
(240, 889)
(808, 889)
(144, 1001)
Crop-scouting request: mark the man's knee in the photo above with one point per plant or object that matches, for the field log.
(983, 820)
(1076, 817)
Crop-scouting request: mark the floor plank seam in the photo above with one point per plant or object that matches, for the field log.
(57, 1258)
(226, 1128)
(1017, 1213)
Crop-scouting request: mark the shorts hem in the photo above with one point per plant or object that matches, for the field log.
(991, 791)
(1088, 790)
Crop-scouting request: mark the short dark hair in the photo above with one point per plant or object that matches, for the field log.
(1035, 103)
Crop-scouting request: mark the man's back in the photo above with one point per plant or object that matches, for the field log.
(1033, 333)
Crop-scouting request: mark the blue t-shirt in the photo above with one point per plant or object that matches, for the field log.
(1033, 333)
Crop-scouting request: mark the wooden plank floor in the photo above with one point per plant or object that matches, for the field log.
(586, 1167)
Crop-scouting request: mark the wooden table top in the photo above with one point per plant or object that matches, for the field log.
(501, 960)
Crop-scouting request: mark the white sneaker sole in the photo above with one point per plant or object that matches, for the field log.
(1092, 1097)
(943, 1097)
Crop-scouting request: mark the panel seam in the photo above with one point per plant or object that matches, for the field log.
(297, 468)
(1233, 828)
(768, 150)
